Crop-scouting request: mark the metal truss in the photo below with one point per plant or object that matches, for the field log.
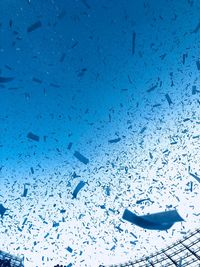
(183, 253)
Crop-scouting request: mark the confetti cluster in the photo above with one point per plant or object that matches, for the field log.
(100, 129)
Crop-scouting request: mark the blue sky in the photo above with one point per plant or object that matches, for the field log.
(77, 80)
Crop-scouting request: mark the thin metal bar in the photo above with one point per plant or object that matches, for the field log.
(151, 263)
(192, 252)
(174, 262)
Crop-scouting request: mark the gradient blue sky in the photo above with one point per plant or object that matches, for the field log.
(101, 93)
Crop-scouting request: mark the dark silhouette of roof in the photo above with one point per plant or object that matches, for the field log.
(182, 253)
(8, 260)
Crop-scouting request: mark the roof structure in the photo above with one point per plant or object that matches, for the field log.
(183, 253)
(15, 261)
